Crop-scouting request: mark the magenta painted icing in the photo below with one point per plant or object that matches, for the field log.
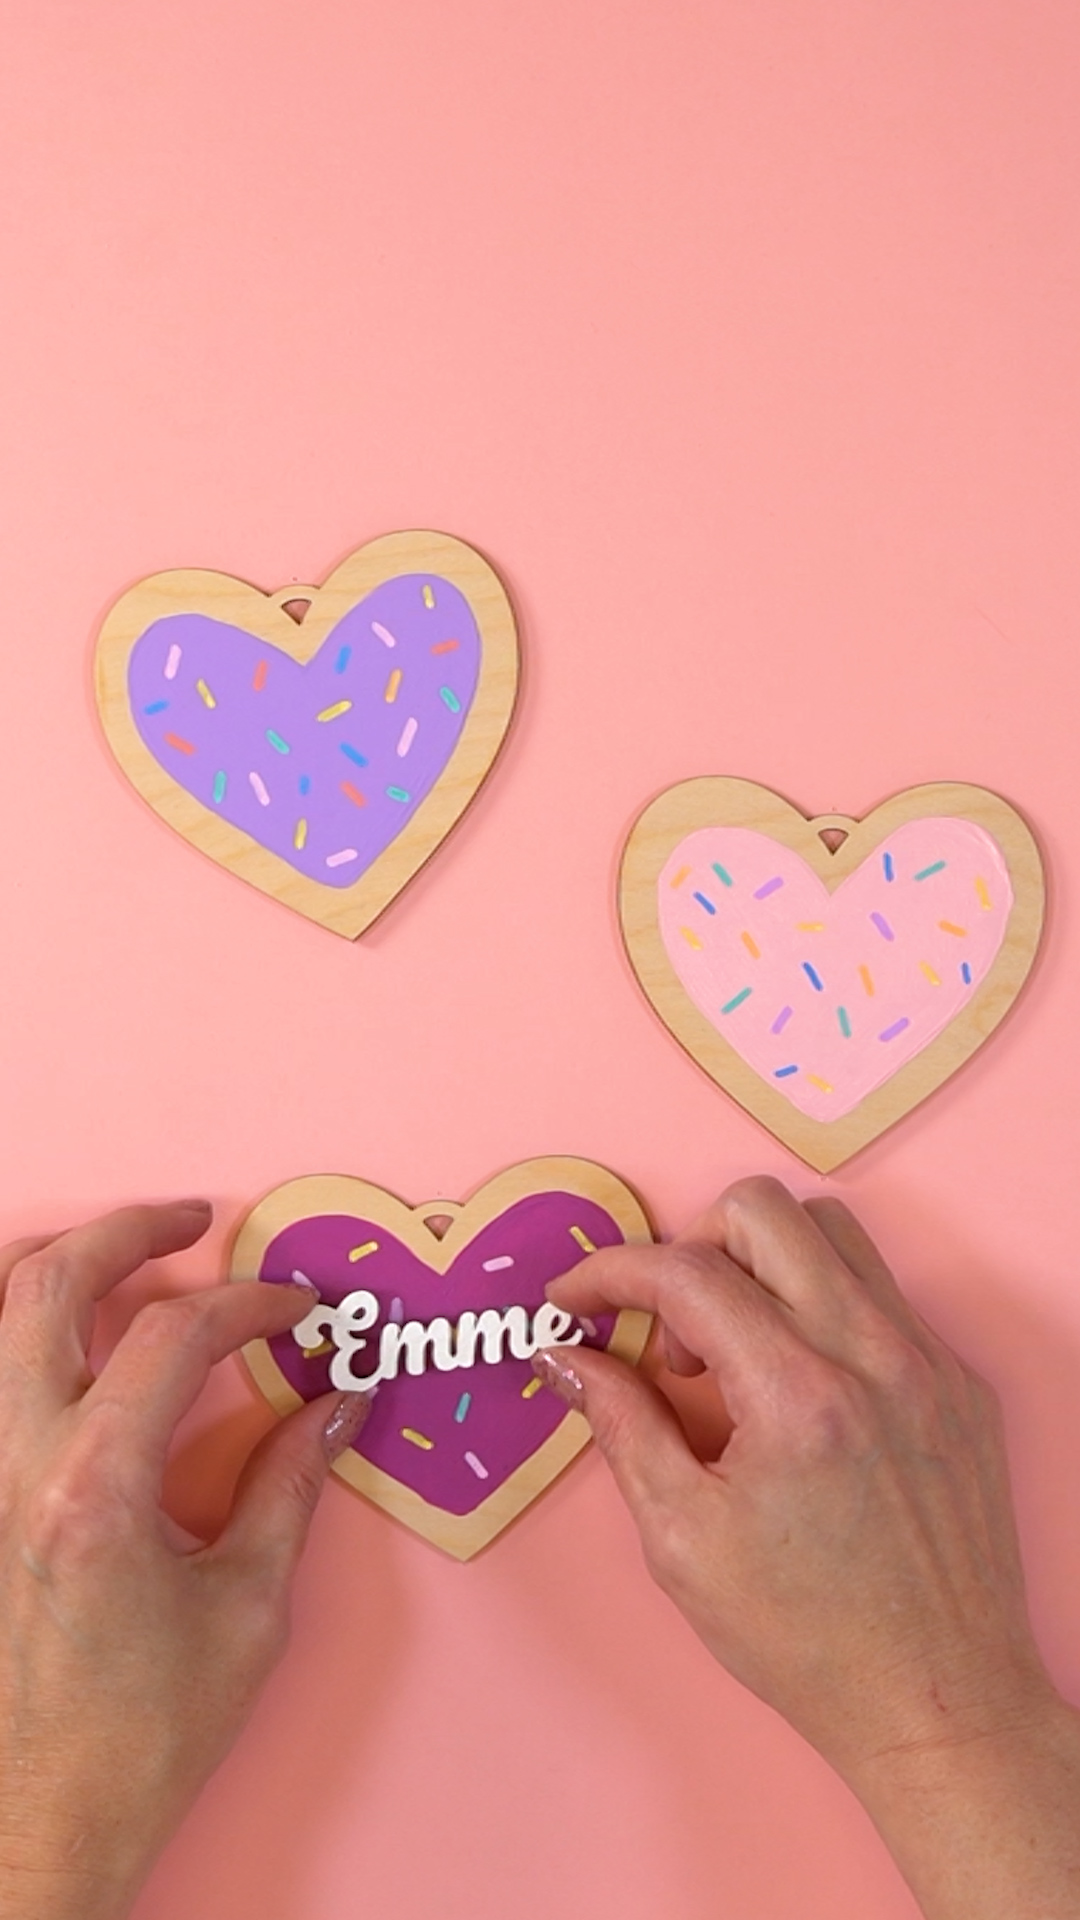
(259, 754)
(500, 1428)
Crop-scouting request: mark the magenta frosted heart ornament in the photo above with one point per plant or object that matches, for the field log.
(830, 973)
(319, 742)
(461, 1437)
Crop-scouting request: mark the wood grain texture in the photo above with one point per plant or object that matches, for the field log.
(346, 911)
(462, 1535)
(723, 801)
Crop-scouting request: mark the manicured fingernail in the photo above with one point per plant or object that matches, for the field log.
(298, 1279)
(554, 1370)
(346, 1418)
(194, 1206)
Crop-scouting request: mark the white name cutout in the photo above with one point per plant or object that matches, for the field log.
(476, 1336)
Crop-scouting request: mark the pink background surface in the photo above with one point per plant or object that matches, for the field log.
(743, 337)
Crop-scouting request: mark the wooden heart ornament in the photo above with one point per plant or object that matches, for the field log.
(829, 974)
(461, 1436)
(320, 742)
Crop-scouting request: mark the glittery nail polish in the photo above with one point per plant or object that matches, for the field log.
(553, 1367)
(345, 1419)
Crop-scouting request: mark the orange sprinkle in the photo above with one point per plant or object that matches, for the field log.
(983, 892)
(353, 793)
(259, 681)
(925, 967)
(174, 740)
(811, 926)
(680, 876)
(690, 938)
(445, 646)
(751, 946)
(823, 1084)
(392, 686)
(865, 977)
(947, 927)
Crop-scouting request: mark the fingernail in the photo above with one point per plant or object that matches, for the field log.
(345, 1420)
(554, 1369)
(194, 1206)
(298, 1279)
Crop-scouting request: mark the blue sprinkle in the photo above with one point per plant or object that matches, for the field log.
(305, 783)
(463, 1406)
(353, 754)
(965, 973)
(814, 978)
(219, 788)
(156, 706)
(888, 865)
(706, 903)
(782, 1072)
(342, 660)
(451, 699)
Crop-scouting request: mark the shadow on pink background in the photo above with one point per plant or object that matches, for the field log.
(742, 337)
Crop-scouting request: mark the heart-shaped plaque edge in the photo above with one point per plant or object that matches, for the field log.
(347, 911)
(723, 800)
(461, 1535)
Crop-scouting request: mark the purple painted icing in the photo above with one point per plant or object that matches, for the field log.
(500, 1428)
(261, 757)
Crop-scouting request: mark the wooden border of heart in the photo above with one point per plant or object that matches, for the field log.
(461, 1535)
(350, 910)
(726, 801)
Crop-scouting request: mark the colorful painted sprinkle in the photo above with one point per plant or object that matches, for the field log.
(705, 902)
(590, 1326)
(397, 793)
(205, 694)
(750, 944)
(361, 1253)
(497, 1265)
(392, 686)
(883, 926)
(533, 1387)
(817, 1081)
(258, 785)
(691, 938)
(299, 838)
(182, 746)
(983, 892)
(582, 1238)
(383, 633)
(305, 783)
(887, 863)
(462, 1407)
(814, 977)
(397, 1310)
(783, 1072)
(352, 753)
(172, 664)
(342, 661)
(948, 927)
(220, 784)
(965, 973)
(937, 867)
(898, 1026)
(925, 967)
(341, 858)
(477, 1466)
(682, 874)
(845, 1023)
(418, 1439)
(279, 745)
(722, 874)
(429, 597)
(736, 1000)
(259, 680)
(781, 1020)
(768, 886)
(867, 979)
(334, 712)
(156, 706)
(811, 926)
(446, 646)
(450, 699)
(353, 793)
(408, 735)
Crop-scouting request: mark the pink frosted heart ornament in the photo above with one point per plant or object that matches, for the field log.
(830, 973)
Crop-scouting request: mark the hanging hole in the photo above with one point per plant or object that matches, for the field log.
(295, 609)
(833, 837)
(438, 1223)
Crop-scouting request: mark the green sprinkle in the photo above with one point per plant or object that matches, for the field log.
(463, 1406)
(927, 871)
(845, 1023)
(722, 874)
(397, 793)
(738, 1000)
(451, 699)
(219, 788)
(279, 745)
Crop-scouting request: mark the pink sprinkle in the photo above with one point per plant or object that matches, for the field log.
(781, 1020)
(259, 785)
(590, 1327)
(173, 662)
(339, 859)
(477, 1466)
(497, 1265)
(770, 886)
(382, 633)
(408, 735)
(397, 1310)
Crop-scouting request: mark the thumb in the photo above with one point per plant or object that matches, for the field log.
(278, 1491)
(635, 1428)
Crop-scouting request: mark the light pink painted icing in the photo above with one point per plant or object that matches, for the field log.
(826, 995)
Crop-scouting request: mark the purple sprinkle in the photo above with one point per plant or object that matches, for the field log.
(770, 886)
(883, 927)
(898, 1026)
(781, 1020)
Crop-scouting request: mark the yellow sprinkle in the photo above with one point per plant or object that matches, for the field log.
(690, 937)
(947, 927)
(983, 892)
(202, 689)
(680, 876)
(751, 946)
(533, 1387)
(811, 926)
(300, 835)
(332, 713)
(925, 967)
(823, 1084)
(392, 686)
(312, 1353)
(583, 1240)
(429, 597)
(361, 1253)
(865, 977)
(418, 1439)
